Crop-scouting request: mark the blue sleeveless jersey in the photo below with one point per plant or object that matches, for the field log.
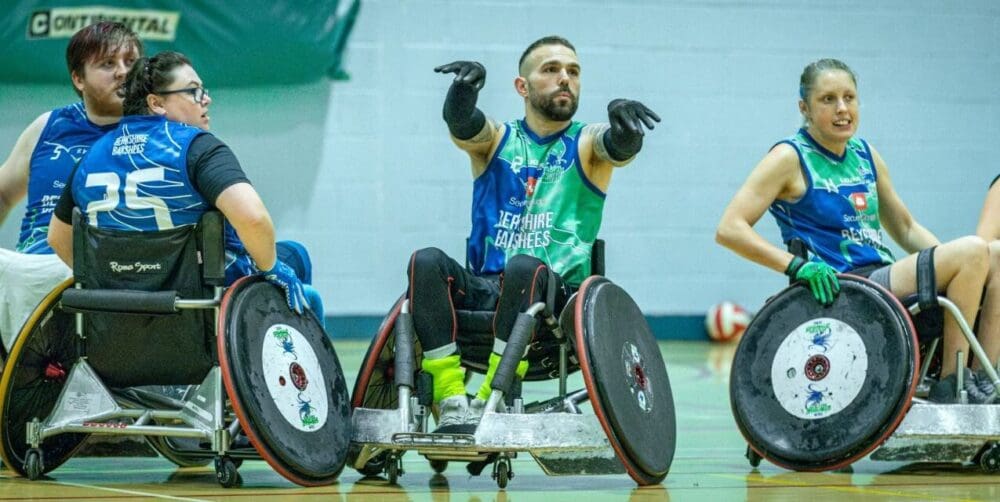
(136, 179)
(838, 216)
(67, 136)
(501, 193)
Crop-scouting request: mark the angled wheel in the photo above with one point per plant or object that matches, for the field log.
(816, 388)
(625, 376)
(34, 376)
(285, 383)
(375, 386)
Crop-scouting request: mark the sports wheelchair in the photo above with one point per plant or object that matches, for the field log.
(249, 378)
(600, 332)
(817, 388)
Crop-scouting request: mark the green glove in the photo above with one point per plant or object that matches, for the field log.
(822, 278)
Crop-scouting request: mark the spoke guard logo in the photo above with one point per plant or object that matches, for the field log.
(819, 368)
(294, 378)
(635, 374)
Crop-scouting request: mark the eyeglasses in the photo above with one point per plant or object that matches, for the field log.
(198, 93)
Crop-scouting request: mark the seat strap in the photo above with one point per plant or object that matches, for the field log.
(550, 294)
(926, 282)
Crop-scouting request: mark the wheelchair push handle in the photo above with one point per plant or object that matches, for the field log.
(130, 301)
(119, 300)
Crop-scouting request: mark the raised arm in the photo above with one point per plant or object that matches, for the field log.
(616, 143)
(16, 169)
(470, 129)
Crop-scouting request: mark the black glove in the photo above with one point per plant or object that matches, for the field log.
(469, 73)
(627, 117)
(460, 113)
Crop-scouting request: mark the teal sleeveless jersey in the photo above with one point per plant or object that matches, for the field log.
(534, 199)
(838, 215)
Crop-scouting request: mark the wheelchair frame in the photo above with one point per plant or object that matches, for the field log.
(503, 431)
(86, 405)
(561, 439)
(931, 432)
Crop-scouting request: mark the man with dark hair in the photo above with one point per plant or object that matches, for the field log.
(97, 57)
(538, 195)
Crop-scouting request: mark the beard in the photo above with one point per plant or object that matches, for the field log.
(547, 106)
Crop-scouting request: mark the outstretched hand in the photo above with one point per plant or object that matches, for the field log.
(470, 73)
(628, 117)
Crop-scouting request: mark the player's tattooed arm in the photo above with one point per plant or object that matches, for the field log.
(595, 134)
(485, 135)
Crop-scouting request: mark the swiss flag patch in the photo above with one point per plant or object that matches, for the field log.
(530, 186)
(859, 200)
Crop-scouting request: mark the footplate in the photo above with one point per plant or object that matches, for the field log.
(575, 463)
(941, 433)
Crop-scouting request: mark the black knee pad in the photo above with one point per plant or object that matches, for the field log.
(426, 259)
(521, 266)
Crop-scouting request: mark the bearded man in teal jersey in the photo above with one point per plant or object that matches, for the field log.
(538, 195)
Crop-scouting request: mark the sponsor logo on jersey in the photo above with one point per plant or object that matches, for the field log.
(76, 152)
(860, 201)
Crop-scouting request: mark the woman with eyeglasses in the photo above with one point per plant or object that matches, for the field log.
(160, 168)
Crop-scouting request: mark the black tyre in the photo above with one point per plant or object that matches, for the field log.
(40, 360)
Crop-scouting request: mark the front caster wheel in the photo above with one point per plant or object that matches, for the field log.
(502, 472)
(439, 466)
(34, 466)
(753, 457)
(226, 472)
(394, 467)
(989, 460)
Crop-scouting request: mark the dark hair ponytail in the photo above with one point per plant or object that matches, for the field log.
(149, 76)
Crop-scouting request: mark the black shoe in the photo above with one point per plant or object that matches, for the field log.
(984, 383)
(943, 392)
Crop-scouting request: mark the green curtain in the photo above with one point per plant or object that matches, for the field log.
(242, 43)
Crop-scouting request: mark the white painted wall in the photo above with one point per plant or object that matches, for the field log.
(363, 171)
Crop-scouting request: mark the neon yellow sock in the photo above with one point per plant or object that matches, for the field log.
(484, 389)
(449, 376)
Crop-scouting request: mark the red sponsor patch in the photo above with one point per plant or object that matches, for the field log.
(859, 200)
(529, 187)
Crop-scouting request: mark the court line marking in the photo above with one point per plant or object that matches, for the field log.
(127, 492)
(848, 489)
